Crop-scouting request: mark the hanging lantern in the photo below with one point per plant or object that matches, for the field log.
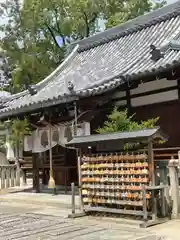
(44, 139)
(68, 134)
(55, 137)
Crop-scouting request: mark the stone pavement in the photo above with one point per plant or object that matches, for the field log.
(170, 229)
(60, 200)
(30, 222)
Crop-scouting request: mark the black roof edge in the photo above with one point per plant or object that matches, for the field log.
(37, 106)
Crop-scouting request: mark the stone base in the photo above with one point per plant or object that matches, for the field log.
(153, 222)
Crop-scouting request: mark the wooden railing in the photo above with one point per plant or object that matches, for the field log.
(165, 154)
(9, 176)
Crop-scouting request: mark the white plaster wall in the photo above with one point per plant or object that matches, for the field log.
(154, 85)
(155, 98)
(150, 99)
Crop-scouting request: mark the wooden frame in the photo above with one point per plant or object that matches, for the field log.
(144, 213)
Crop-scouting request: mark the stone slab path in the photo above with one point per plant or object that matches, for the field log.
(31, 222)
(36, 226)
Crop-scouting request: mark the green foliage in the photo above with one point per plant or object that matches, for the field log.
(27, 57)
(120, 121)
(29, 52)
(128, 10)
(18, 129)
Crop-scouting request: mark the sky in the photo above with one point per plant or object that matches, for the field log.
(168, 1)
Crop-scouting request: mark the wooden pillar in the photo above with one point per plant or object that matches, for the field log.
(7, 177)
(24, 179)
(44, 182)
(36, 186)
(145, 212)
(178, 83)
(18, 170)
(79, 156)
(153, 180)
(163, 204)
(2, 177)
(13, 170)
(151, 162)
(128, 99)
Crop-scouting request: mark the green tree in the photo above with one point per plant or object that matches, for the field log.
(26, 56)
(17, 129)
(120, 121)
(128, 10)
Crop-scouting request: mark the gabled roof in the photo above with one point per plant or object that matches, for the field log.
(143, 135)
(104, 61)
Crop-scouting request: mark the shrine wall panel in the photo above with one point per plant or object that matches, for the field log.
(155, 98)
(149, 93)
(169, 121)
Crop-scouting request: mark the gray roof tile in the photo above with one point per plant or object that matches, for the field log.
(134, 135)
(103, 62)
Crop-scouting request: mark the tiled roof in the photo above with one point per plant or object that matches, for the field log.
(104, 61)
(125, 136)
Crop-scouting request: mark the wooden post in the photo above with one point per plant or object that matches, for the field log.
(17, 176)
(168, 202)
(12, 177)
(36, 186)
(73, 197)
(151, 162)
(34, 171)
(51, 183)
(80, 180)
(153, 182)
(8, 177)
(145, 215)
(24, 177)
(43, 170)
(163, 204)
(2, 177)
(128, 99)
(17, 165)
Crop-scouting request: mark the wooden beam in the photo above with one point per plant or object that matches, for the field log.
(144, 94)
(128, 98)
(115, 210)
(178, 83)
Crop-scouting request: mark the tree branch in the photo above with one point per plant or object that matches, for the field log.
(95, 15)
(87, 25)
(58, 27)
(51, 32)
